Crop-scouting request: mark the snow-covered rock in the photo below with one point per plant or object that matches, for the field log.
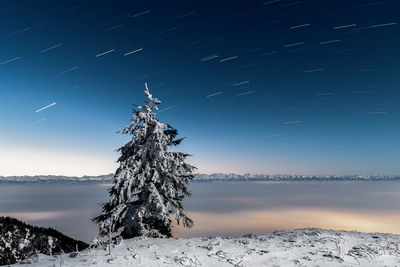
(305, 247)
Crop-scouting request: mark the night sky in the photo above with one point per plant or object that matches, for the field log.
(294, 87)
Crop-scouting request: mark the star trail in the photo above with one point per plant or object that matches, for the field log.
(319, 79)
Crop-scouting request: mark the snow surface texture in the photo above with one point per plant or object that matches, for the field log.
(305, 247)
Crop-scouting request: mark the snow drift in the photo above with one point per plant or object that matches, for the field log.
(305, 247)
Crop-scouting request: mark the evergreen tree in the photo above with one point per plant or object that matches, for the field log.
(151, 180)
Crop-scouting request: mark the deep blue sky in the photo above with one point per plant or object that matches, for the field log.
(306, 87)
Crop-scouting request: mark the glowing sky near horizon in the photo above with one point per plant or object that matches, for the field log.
(295, 87)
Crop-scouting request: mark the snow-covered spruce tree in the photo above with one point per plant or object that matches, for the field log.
(151, 181)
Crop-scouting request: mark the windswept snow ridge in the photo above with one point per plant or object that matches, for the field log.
(306, 247)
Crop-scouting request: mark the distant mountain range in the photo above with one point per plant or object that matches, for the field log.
(215, 177)
(290, 177)
(49, 179)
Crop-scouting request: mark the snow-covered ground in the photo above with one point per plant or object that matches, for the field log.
(305, 247)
